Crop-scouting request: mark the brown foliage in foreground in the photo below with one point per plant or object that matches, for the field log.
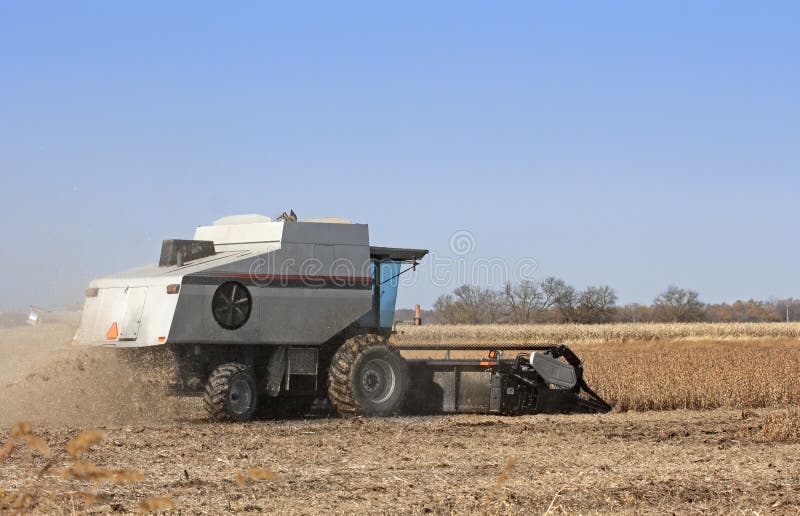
(35, 492)
(48, 489)
(83, 441)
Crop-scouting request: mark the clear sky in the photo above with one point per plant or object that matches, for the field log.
(633, 143)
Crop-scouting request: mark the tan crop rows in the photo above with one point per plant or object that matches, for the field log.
(694, 374)
(479, 335)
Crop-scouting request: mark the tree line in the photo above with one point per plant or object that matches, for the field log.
(553, 300)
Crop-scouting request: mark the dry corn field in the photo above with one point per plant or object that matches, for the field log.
(84, 432)
(481, 335)
(695, 375)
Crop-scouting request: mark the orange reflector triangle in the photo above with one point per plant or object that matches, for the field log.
(112, 332)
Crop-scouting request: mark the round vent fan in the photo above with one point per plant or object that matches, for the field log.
(231, 305)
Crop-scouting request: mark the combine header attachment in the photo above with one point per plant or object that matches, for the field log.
(261, 315)
(539, 382)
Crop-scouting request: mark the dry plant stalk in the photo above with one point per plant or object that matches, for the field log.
(83, 441)
(94, 473)
(90, 499)
(258, 474)
(35, 443)
(7, 448)
(503, 476)
(87, 471)
(26, 496)
(122, 476)
(23, 500)
(22, 431)
(261, 474)
(156, 503)
(241, 479)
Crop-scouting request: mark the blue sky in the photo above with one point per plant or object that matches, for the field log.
(635, 144)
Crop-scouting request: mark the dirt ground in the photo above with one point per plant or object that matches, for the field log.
(663, 462)
(679, 461)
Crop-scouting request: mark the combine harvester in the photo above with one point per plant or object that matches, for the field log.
(263, 314)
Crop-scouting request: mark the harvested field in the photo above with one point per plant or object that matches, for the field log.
(483, 335)
(677, 461)
(152, 451)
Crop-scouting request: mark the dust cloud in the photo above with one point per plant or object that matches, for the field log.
(45, 380)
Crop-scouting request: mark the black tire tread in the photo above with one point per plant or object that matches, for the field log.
(216, 391)
(340, 386)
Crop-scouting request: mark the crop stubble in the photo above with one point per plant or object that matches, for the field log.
(740, 457)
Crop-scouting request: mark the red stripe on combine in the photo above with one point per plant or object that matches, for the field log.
(364, 279)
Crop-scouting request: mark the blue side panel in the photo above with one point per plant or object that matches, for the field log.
(390, 280)
(370, 319)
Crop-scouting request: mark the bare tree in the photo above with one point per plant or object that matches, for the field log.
(678, 305)
(471, 304)
(445, 309)
(523, 301)
(469, 301)
(510, 295)
(596, 304)
(560, 296)
(493, 307)
(634, 312)
(554, 300)
(784, 309)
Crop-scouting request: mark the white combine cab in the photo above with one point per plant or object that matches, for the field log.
(253, 307)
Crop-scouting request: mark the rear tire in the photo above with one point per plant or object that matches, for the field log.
(368, 378)
(231, 393)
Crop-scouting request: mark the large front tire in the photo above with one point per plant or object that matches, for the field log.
(231, 393)
(368, 378)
